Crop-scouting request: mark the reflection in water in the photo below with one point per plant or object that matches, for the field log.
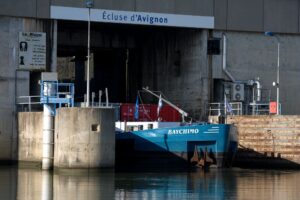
(8, 182)
(47, 185)
(84, 184)
(31, 184)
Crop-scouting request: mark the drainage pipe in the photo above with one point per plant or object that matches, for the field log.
(48, 137)
(258, 86)
(224, 60)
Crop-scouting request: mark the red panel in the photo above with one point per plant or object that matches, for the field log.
(127, 112)
(148, 112)
(273, 107)
(169, 114)
(145, 112)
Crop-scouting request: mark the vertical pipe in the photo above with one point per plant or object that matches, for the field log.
(278, 62)
(54, 47)
(93, 98)
(224, 59)
(48, 138)
(258, 87)
(88, 63)
(126, 76)
(29, 103)
(253, 102)
(210, 72)
(106, 94)
(100, 96)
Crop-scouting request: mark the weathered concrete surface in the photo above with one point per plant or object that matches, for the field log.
(175, 63)
(251, 55)
(264, 138)
(30, 135)
(84, 138)
(8, 52)
(14, 83)
(255, 15)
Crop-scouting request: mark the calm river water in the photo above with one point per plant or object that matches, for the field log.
(31, 184)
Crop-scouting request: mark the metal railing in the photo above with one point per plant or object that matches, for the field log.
(231, 108)
(237, 108)
(51, 92)
(25, 103)
(260, 109)
(57, 93)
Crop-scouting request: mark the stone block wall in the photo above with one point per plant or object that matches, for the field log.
(269, 136)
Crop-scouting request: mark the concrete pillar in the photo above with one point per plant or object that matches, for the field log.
(84, 138)
(30, 126)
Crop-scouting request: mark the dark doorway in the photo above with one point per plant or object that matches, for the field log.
(110, 72)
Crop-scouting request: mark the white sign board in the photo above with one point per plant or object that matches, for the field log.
(128, 17)
(32, 51)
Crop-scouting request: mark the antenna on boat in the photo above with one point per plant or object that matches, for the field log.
(182, 112)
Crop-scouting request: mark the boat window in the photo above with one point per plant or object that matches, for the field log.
(150, 126)
(134, 128)
(129, 128)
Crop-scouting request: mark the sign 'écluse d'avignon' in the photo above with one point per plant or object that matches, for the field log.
(32, 51)
(132, 17)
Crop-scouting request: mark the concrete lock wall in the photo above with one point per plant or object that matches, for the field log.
(9, 33)
(176, 63)
(30, 136)
(251, 55)
(14, 82)
(84, 138)
(272, 136)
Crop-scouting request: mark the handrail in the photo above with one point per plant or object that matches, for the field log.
(57, 93)
(236, 108)
(28, 100)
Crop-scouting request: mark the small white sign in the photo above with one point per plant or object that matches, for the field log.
(128, 17)
(32, 51)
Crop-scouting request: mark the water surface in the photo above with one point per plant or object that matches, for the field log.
(31, 184)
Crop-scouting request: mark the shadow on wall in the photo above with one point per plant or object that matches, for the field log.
(249, 158)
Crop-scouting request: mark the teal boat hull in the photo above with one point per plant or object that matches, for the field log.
(175, 145)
